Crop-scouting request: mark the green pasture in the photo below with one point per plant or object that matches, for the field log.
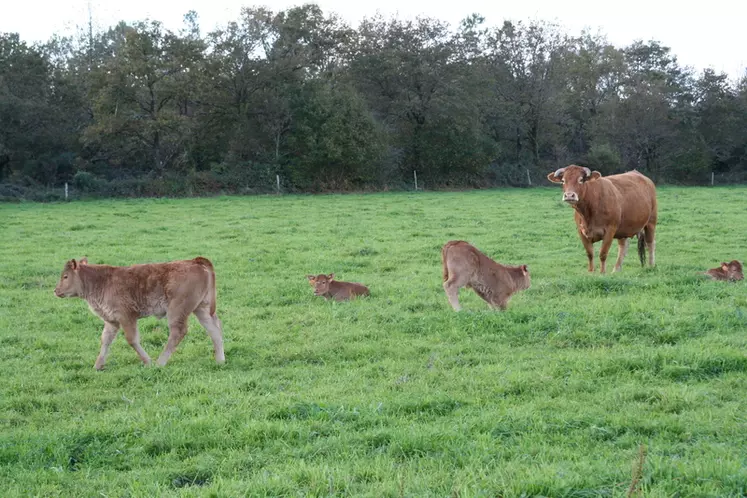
(391, 395)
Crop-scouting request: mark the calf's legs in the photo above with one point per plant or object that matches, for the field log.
(133, 339)
(451, 287)
(214, 330)
(177, 331)
(107, 336)
(500, 300)
(452, 294)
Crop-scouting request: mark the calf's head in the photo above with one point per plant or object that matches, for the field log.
(320, 283)
(574, 179)
(733, 270)
(524, 280)
(727, 271)
(70, 284)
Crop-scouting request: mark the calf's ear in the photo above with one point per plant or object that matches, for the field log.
(595, 175)
(73, 264)
(83, 261)
(525, 269)
(724, 267)
(311, 278)
(331, 276)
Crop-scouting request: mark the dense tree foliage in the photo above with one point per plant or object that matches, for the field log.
(139, 109)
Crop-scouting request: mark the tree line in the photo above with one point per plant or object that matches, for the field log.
(298, 94)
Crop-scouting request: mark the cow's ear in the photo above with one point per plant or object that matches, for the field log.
(724, 267)
(311, 278)
(555, 179)
(331, 276)
(525, 269)
(83, 261)
(595, 175)
(73, 264)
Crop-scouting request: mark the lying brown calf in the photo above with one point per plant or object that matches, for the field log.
(120, 295)
(465, 266)
(727, 271)
(327, 286)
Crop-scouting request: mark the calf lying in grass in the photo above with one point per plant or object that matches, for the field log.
(727, 271)
(329, 288)
(120, 295)
(465, 266)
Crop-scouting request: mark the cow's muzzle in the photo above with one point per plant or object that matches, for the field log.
(570, 197)
(58, 293)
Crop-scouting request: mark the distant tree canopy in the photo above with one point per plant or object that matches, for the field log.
(300, 94)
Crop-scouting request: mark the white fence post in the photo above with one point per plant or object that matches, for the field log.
(65, 190)
(529, 179)
(712, 178)
(277, 182)
(415, 174)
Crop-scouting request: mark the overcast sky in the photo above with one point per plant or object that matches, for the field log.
(704, 34)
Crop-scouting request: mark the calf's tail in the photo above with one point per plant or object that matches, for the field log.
(444, 250)
(642, 248)
(213, 295)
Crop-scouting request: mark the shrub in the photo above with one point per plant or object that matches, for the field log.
(87, 182)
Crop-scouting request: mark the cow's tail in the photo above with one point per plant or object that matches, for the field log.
(642, 248)
(213, 295)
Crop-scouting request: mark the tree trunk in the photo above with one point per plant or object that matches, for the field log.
(157, 152)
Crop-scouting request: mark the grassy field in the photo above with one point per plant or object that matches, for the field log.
(392, 395)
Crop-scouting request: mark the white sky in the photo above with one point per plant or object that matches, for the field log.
(700, 34)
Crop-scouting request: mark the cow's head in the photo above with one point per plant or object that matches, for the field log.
(574, 179)
(70, 284)
(320, 283)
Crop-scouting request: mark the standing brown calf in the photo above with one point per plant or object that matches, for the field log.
(727, 271)
(327, 286)
(465, 266)
(120, 295)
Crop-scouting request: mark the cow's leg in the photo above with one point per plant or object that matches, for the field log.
(649, 235)
(133, 338)
(609, 236)
(589, 247)
(107, 336)
(177, 331)
(622, 250)
(214, 329)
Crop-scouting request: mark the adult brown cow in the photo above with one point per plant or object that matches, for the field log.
(611, 207)
(120, 295)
